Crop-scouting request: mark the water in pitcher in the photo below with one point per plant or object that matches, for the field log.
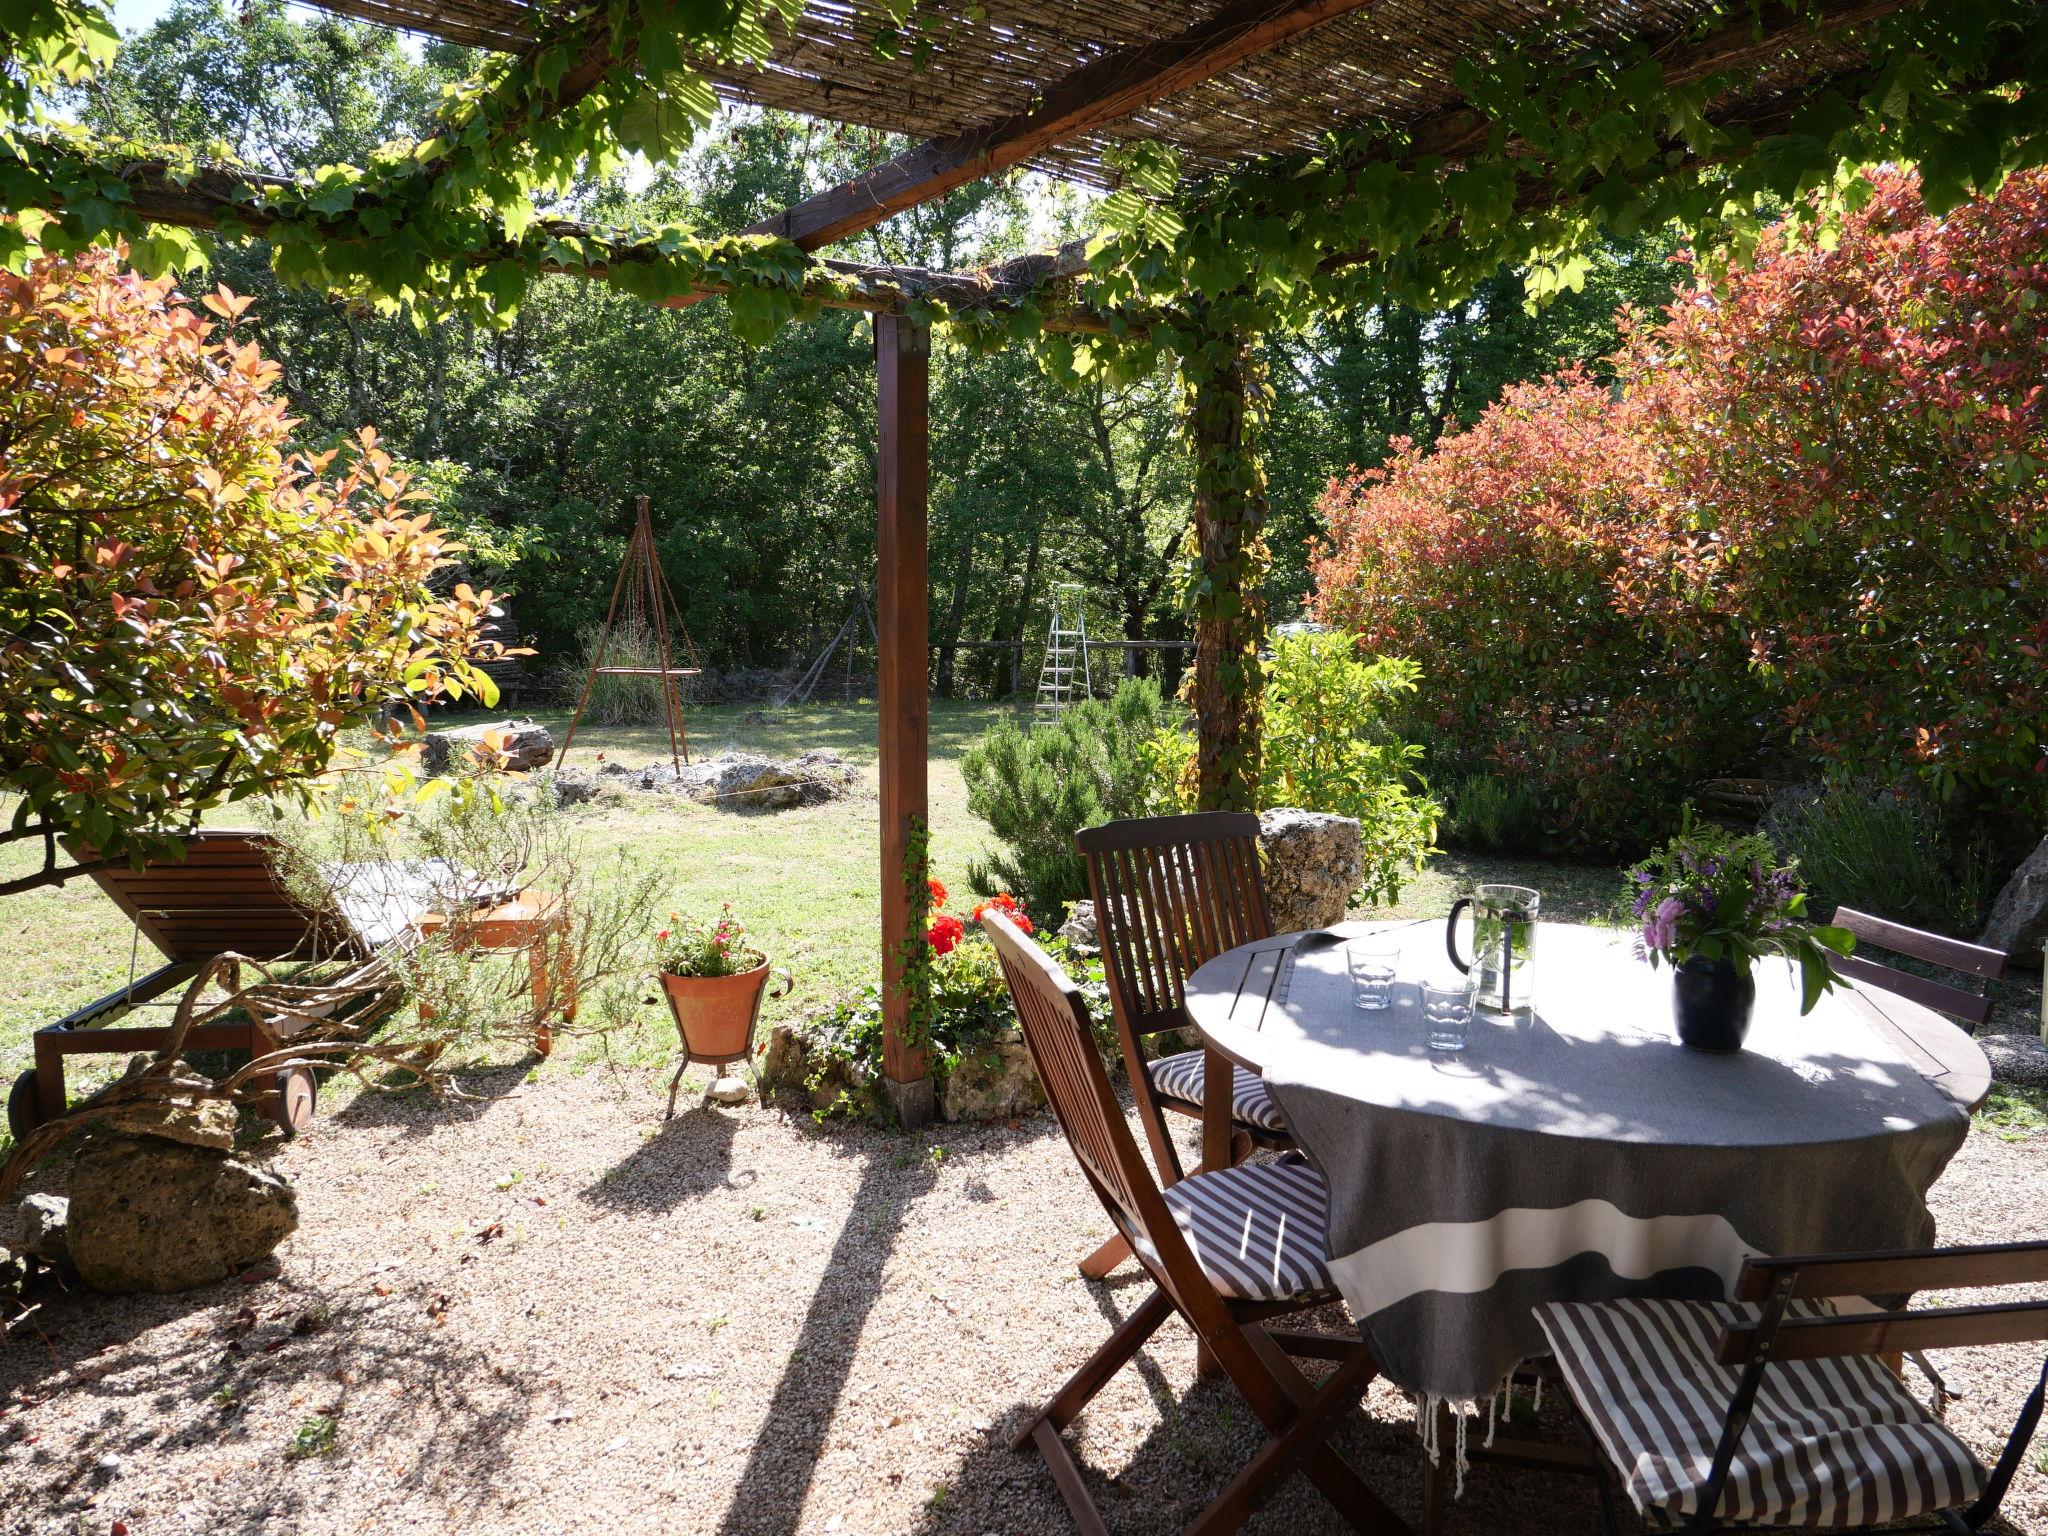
(1502, 966)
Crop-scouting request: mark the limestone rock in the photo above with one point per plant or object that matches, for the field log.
(206, 1123)
(1079, 929)
(782, 1063)
(991, 1082)
(2021, 1060)
(526, 745)
(44, 1219)
(1314, 863)
(729, 1090)
(2019, 918)
(154, 1215)
(748, 781)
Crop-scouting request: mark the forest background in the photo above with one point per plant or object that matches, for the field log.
(759, 461)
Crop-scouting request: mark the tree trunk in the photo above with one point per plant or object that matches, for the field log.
(1224, 409)
(1016, 636)
(956, 615)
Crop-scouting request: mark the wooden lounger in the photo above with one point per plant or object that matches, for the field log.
(222, 897)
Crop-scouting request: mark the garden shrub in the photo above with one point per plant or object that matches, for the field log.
(1804, 532)
(1891, 852)
(193, 611)
(971, 1012)
(1332, 742)
(1853, 445)
(1493, 561)
(1486, 813)
(616, 698)
(1037, 785)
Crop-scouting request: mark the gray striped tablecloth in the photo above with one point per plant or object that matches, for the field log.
(1584, 1155)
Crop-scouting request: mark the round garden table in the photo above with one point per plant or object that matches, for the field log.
(1582, 1153)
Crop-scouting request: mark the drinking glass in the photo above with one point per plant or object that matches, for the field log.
(1447, 1011)
(1373, 963)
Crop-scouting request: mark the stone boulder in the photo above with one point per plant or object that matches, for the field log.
(991, 1082)
(208, 1123)
(1079, 929)
(154, 1215)
(2020, 1060)
(527, 746)
(2019, 917)
(748, 781)
(43, 1231)
(1315, 862)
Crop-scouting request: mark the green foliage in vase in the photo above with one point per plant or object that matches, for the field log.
(1036, 785)
(1710, 895)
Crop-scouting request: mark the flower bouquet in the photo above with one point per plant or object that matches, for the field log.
(1712, 903)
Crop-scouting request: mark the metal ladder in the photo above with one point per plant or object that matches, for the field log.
(1065, 676)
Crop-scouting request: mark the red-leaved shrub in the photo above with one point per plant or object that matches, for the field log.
(1808, 524)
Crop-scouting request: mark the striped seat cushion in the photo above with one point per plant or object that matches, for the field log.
(1831, 1442)
(1180, 1077)
(1257, 1229)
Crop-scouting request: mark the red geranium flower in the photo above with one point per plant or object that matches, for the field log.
(945, 933)
(1006, 904)
(938, 892)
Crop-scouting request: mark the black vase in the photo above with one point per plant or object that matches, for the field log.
(1711, 1002)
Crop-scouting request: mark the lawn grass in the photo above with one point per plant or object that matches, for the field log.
(804, 881)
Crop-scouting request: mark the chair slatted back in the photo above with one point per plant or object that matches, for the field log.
(1061, 1040)
(1897, 1271)
(1917, 944)
(1775, 1336)
(1171, 893)
(223, 896)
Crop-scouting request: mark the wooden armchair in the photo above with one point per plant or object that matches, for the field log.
(1776, 1410)
(1917, 944)
(1227, 1250)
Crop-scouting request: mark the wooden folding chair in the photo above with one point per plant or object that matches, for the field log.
(1775, 1411)
(1917, 944)
(1172, 893)
(1227, 1250)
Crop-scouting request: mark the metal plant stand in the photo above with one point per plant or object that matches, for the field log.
(649, 609)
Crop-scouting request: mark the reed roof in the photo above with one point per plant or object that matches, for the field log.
(1390, 61)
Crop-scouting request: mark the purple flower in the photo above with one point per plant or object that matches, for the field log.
(1661, 930)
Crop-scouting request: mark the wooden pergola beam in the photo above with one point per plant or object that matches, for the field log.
(217, 194)
(1102, 91)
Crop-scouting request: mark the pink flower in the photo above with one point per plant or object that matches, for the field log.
(1660, 931)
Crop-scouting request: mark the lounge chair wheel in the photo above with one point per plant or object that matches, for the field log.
(296, 1095)
(22, 1115)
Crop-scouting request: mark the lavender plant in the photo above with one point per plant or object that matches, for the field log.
(1709, 895)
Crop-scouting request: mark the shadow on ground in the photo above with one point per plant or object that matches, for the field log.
(769, 1499)
(231, 1366)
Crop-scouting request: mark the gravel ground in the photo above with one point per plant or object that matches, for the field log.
(549, 1312)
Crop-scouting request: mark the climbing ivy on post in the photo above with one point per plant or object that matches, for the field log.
(1225, 401)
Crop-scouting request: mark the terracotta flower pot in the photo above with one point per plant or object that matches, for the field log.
(715, 1014)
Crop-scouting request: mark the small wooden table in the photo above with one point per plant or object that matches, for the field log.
(535, 921)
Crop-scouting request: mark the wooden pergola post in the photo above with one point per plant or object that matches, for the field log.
(903, 367)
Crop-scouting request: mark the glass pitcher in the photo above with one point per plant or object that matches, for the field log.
(1503, 947)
